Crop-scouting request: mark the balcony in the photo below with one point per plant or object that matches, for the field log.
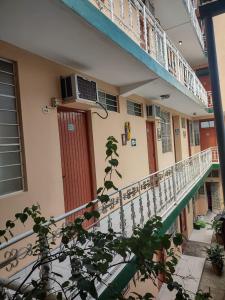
(127, 50)
(136, 20)
(195, 22)
(164, 193)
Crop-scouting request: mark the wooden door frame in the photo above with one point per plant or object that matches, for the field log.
(90, 142)
(174, 143)
(188, 135)
(154, 144)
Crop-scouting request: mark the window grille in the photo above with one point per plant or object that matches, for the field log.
(109, 101)
(11, 175)
(134, 108)
(166, 132)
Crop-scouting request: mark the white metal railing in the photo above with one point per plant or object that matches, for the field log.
(157, 194)
(192, 11)
(139, 23)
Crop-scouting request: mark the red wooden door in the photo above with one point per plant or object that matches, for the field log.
(76, 167)
(151, 146)
(207, 134)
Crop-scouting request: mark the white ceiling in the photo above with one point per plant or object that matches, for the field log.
(49, 29)
(176, 21)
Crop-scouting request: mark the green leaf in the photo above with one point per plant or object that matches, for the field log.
(36, 228)
(88, 286)
(108, 152)
(108, 169)
(118, 173)
(23, 218)
(2, 232)
(114, 162)
(108, 184)
(59, 296)
(178, 239)
(10, 224)
(103, 198)
(96, 214)
(99, 190)
(65, 284)
(88, 215)
(166, 242)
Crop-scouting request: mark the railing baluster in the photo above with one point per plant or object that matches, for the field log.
(148, 205)
(154, 195)
(122, 215)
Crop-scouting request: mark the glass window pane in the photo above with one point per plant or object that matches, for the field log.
(211, 124)
(11, 186)
(205, 124)
(7, 103)
(6, 89)
(8, 117)
(9, 158)
(9, 131)
(9, 141)
(10, 172)
(6, 78)
(10, 148)
(6, 148)
(6, 66)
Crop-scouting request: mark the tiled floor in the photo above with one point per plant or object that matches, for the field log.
(191, 265)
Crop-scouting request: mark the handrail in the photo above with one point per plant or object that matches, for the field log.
(153, 181)
(192, 12)
(146, 31)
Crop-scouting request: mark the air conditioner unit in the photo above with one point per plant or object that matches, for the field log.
(153, 111)
(78, 88)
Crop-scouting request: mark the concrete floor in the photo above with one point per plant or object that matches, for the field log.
(193, 271)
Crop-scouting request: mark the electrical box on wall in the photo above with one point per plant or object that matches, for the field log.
(78, 88)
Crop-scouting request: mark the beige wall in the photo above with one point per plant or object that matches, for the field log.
(201, 205)
(180, 138)
(219, 25)
(39, 82)
(189, 218)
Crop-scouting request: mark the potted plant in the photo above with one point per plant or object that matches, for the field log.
(217, 227)
(216, 256)
(199, 224)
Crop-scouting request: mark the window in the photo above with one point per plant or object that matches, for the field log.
(183, 123)
(109, 101)
(166, 132)
(11, 175)
(134, 108)
(207, 124)
(194, 133)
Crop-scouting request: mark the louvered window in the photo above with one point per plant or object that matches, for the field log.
(11, 175)
(109, 101)
(134, 108)
(166, 132)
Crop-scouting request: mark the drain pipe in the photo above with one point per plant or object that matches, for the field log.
(207, 12)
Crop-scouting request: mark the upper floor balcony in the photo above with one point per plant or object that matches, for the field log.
(164, 193)
(137, 21)
(124, 46)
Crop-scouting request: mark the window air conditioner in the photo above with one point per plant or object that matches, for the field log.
(78, 88)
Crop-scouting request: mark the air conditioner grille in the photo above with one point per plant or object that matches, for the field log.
(86, 89)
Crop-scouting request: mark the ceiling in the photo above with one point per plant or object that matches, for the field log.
(176, 21)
